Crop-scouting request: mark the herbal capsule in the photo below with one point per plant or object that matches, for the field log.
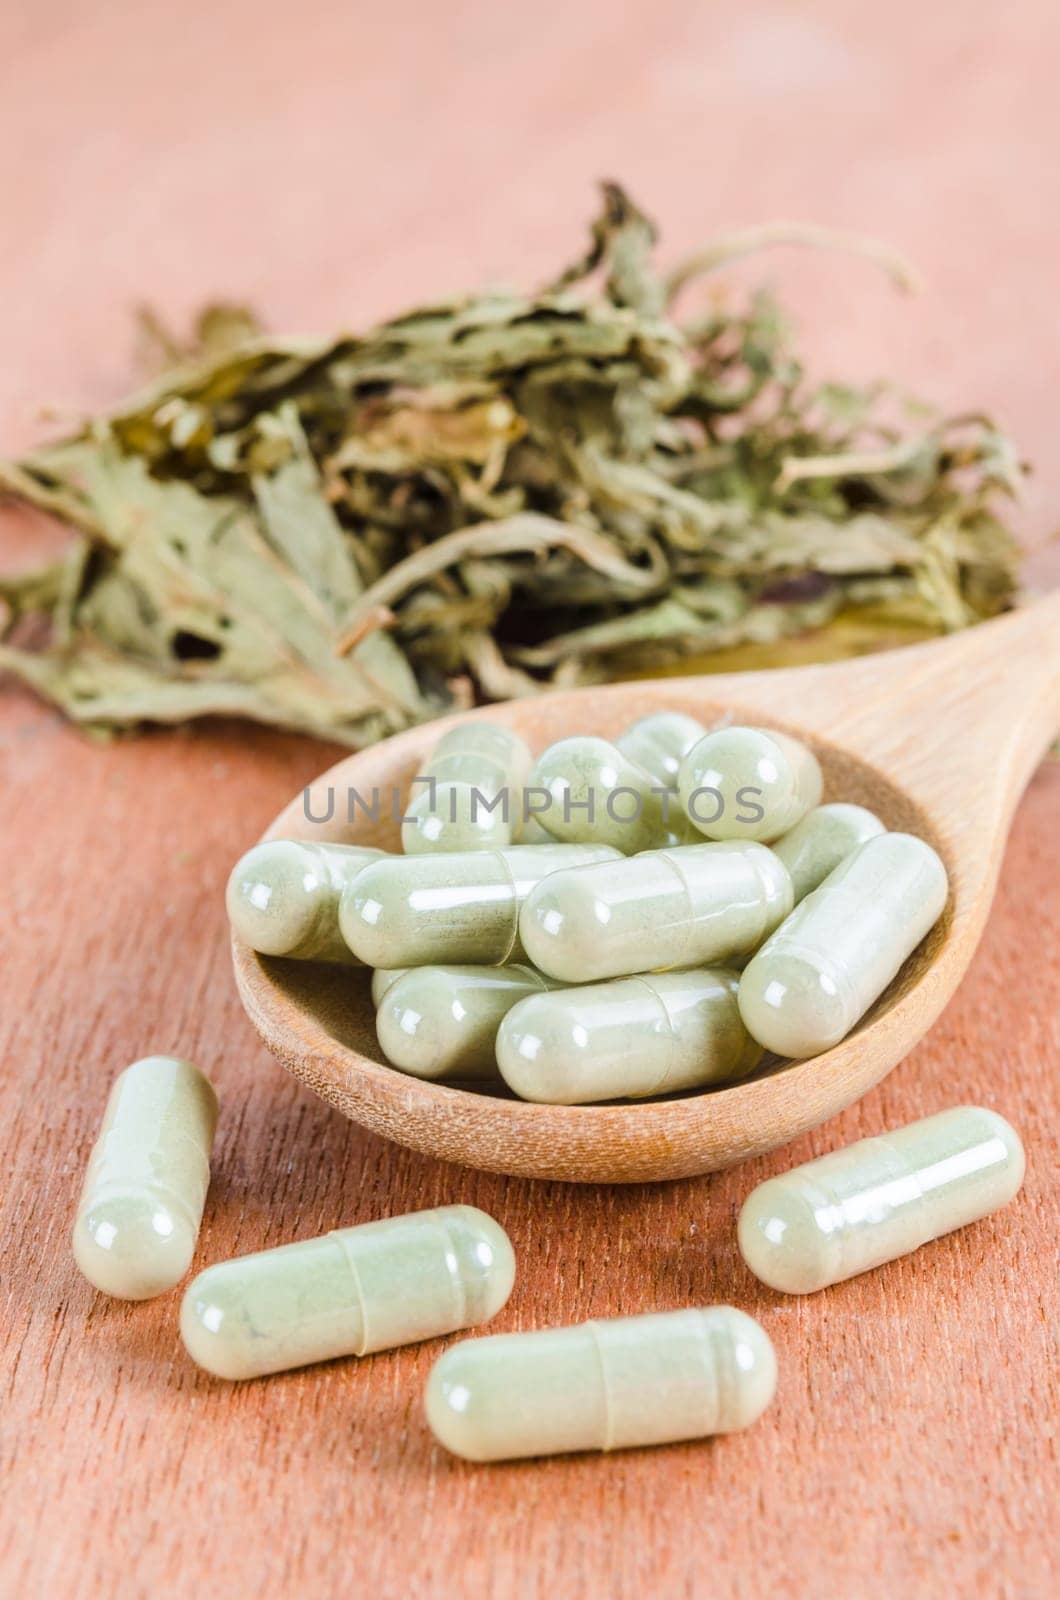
(837, 952)
(879, 1199)
(824, 838)
(138, 1219)
(599, 796)
(441, 1022)
(624, 1040)
(531, 832)
(665, 908)
(348, 1293)
(283, 897)
(463, 909)
(468, 795)
(659, 742)
(605, 1385)
(748, 783)
(383, 980)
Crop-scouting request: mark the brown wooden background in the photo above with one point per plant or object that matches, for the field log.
(334, 163)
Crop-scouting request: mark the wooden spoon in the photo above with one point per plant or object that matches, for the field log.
(938, 739)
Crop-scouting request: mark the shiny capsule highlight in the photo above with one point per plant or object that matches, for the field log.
(283, 897)
(468, 795)
(665, 908)
(748, 783)
(605, 1385)
(815, 978)
(627, 1039)
(879, 1199)
(455, 910)
(350, 1292)
(441, 1022)
(141, 1205)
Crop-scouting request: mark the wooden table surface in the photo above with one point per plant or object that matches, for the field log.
(335, 163)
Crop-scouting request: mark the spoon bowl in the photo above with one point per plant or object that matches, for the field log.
(938, 739)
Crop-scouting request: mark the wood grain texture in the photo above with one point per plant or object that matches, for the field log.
(338, 163)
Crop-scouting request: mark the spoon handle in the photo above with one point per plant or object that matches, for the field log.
(1010, 670)
(959, 722)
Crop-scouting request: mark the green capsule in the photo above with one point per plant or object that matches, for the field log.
(383, 980)
(531, 832)
(627, 1039)
(348, 1293)
(825, 837)
(748, 783)
(468, 795)
(666, 908)
(598, 795)
(607, 1385)
(879, 1199)
(441, 1022)
(658, 743)
(818, 974)
(138, 1219)
(460, 909)
(283, 897)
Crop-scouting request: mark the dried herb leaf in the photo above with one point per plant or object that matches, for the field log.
(490, 496)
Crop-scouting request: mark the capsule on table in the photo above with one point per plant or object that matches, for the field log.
(441, 1022)
(348, 1293)
(666, 908)
(606, 1385)
(383, 980)
(468, 794)
(138, 1218)
(879, 1199)
(820, 972)
(627, 1039)
(821, 841)
(659, 742)
(748, 783)
(283, 897)
(599, 796)
(460, 909)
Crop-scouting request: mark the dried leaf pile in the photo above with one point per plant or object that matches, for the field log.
(486, 498)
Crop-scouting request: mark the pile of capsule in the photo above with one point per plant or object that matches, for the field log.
(602, 1385)
(612, 921)
(600, 953)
